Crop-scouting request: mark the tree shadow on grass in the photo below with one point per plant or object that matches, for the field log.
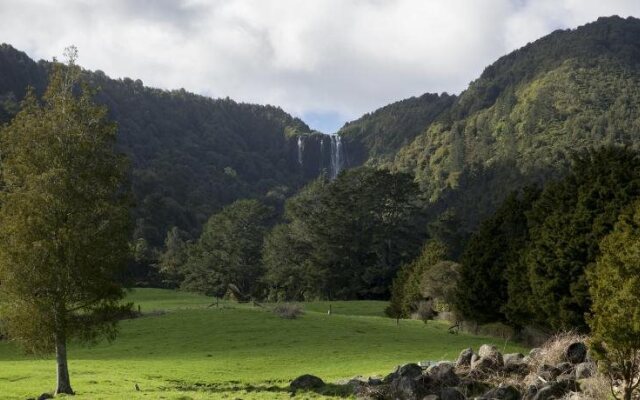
(328, 390)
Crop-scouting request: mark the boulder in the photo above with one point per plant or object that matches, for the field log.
(487, 350)
(503, 393)
(464, 359)
(405, 388)
(576, 353)
(515, 363)
(513, 358)
(565, 367)
(443, 374)
(306, 382)
(552, 391)
(585, 370)
(451, 394)
(490, 359)
(548, 372)
(410, 370)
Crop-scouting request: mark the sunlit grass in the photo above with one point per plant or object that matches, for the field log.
(194, 351)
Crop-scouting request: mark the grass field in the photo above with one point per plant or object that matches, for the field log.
(187, 350)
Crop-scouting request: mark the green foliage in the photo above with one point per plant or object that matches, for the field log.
(406, 290)
(348, 236)
(173, 258)
(229, 250)
(615, 291)
(566, 226)
(64, 220)
(190, 155)
(482, 291)
(377, 136)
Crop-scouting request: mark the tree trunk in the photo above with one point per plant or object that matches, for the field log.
(64, 383)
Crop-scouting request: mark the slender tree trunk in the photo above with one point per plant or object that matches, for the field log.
(63, 382)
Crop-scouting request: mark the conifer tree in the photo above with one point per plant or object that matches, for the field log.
(64, 220)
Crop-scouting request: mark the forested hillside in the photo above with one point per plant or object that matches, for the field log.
(517, 123)
(190, 154)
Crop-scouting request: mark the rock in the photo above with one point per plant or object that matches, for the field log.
(472, 387)
(487, 350)
(464, 359)
(45, 396)
(405, 388)
(548, 372)
(426, 363)
(576, 353)
(409, 370)
(306, 382)
(515, 363)
(565, 367)
(513, 358)
(585, 370)
(451, 394)
(503, 393)
(552, 391)
(490, 359)
(374, 382)
(443, 374)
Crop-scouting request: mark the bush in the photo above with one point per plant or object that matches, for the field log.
(288, 310)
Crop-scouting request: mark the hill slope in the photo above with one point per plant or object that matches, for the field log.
(519, 121)
(190, 154)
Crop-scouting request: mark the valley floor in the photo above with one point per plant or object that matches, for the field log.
(183, 349)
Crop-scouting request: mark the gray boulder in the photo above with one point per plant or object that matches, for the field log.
(451, 394)
(405, 388)
(548, 372)
(503, 393)
(576, 353)
(552, 391)
(513, 358)
(306, 382)
(489, 359)
(443, 374)
(464, 359)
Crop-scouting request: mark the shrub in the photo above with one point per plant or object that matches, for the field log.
(288, 310)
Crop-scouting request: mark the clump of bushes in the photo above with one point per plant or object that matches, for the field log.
(288, 310)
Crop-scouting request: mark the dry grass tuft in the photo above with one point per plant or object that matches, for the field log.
(552, 352)
(596, 388)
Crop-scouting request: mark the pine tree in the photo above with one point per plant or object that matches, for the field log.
(64, 221)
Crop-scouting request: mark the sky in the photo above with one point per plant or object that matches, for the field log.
(326, 61)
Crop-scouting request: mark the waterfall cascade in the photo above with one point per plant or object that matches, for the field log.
(300, 149)
(329, 159)
(336, 155)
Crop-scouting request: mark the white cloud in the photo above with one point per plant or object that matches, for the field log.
(322, 57)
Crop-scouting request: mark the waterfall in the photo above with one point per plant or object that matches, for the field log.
(300, 149)
(321, 154)
(336, 155)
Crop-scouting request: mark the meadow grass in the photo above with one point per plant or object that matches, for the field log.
(193, 351)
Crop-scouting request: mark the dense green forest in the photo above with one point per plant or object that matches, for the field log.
(190, 154)
(516, 124)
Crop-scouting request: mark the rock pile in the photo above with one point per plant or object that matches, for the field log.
(485, 375)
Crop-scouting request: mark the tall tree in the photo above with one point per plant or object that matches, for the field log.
(566, 226)
(615, 290)
(229, 250)
(482, 291)
(64, 220)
